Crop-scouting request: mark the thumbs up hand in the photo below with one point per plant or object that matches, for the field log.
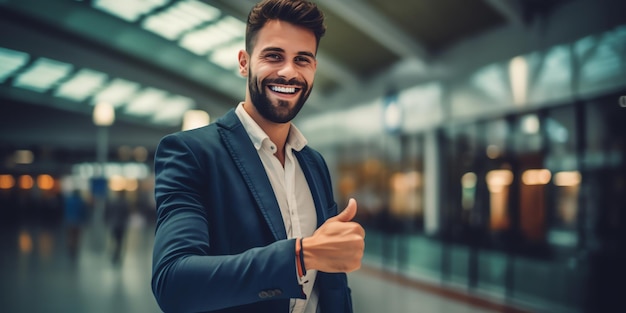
(337, 246)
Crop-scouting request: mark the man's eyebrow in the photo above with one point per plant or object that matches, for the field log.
(273, 49)
(306, 53)
(277, 49)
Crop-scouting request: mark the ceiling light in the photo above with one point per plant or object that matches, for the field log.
(226, 56)
(129, 10)
(118, 92)
(103, 114)
(518, 76)
(491, 80)
(212, 36)
(42, 75)
(179, 18)
(146, 102)
(195, 118)
(11, 61)
(199, 9)
(172, 110)
(81, 85)
(24, 157)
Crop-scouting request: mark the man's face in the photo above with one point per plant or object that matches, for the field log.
(281, 70)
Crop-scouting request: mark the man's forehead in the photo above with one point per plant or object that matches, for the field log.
(283, 35)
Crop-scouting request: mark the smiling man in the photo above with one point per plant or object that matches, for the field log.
(247, 221)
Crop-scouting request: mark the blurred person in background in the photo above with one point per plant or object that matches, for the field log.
(117, 213)
(75, 215)
(246, 219)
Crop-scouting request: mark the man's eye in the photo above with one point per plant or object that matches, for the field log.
(273, 57)
(303, 60)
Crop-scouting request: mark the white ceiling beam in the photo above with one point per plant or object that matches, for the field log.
(378, 27)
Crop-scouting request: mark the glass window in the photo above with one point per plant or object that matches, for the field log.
(562, 163)
(406, 182)
(461, 155)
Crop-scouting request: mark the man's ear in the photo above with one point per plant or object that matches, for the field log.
(243, 63)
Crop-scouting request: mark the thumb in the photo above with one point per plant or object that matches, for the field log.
(348, 213)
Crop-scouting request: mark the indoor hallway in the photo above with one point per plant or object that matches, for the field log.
(39, 274)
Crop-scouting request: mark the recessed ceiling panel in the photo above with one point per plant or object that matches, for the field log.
(42, 75)
(82, 85)
(129, 10)
(11, 61)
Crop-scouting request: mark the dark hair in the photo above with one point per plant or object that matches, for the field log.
(298, 12)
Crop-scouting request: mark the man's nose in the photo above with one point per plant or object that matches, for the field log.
(288, 71)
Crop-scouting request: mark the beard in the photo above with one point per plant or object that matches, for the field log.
(278, 112)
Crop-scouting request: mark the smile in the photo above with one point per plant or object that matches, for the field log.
(285, 90)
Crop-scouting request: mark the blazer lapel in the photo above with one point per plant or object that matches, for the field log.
(245, 156)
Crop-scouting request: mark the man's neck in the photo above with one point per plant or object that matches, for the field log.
(277, 132)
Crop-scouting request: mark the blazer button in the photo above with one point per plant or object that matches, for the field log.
(270, 293)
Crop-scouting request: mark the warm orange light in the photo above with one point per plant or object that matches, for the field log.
(536, 177)
(406, 181)
(7, 181)
(24, 157)
(131, 185)
(26, 182)
(468, 180)
(498, 179)
(117, 183)
(398, 182)
(140, 154)
(567, 179)
(493, 152)
(25, 242)
(103, 114)
(45, 182)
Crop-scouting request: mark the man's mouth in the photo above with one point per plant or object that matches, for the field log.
(284, 90)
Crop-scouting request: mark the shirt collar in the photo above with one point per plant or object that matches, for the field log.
(295, 139)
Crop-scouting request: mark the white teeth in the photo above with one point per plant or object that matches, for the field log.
(283, 89)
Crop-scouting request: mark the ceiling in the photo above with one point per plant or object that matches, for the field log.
(370, 46)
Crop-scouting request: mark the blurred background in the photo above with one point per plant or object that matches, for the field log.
(484, 141)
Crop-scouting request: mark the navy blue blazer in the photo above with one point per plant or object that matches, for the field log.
(220, 243)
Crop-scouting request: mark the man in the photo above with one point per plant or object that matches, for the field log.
(246, 216)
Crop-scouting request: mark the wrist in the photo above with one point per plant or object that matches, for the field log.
(308, 258)
(300, 266)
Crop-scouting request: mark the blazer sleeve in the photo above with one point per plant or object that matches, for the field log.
(185, 277)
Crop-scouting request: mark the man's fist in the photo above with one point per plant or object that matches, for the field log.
(337, 246)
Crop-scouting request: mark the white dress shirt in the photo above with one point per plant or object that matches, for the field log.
(292, 193)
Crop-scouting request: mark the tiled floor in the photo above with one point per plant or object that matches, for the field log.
(38, 275)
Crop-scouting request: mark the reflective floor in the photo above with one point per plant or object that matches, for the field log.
(40, 274)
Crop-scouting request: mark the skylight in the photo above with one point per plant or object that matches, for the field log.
(147, 102)
(492, 81)
(129, 10)
(226, 56)
(179, 18)
(196, 26)
(82, 85)
(172, 110)
(11, 61)
(212, 36)
(605, 61)
(117, 93)
(42, 75)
